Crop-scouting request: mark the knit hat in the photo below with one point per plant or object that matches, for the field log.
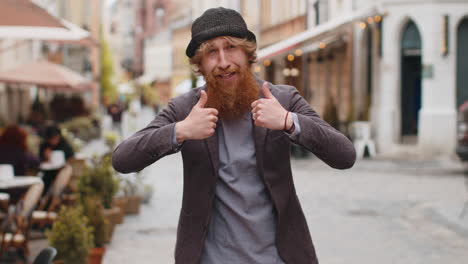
(216, 22)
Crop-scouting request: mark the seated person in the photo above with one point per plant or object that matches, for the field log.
(53, 140)
(14, 150)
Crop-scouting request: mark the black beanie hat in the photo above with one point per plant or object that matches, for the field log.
(216, 22)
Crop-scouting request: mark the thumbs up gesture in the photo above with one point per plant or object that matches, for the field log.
(269, 113)
(200, 123)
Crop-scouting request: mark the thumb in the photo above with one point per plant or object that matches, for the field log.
(203, 98)
(266, 91)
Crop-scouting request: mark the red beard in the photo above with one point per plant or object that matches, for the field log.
(231, 99)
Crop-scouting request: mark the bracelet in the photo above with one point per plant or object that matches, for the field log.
(285, 120)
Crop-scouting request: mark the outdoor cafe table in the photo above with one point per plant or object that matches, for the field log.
(17, 186)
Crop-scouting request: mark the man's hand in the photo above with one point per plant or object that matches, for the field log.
(199, 124)
(268, 112)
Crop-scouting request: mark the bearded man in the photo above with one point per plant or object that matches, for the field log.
(239, 203)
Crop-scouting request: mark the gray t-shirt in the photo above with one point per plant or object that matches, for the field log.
(243, 221)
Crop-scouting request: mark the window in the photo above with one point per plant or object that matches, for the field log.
(321, 11)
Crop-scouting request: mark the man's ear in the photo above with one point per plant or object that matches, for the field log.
(200, 69)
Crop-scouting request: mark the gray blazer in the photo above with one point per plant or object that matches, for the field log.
(200, 161)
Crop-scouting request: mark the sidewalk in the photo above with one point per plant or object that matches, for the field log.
(405, 206)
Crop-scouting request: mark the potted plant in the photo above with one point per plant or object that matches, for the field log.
(94, 211)
(130, 189)
(71, 236)
(99, 180)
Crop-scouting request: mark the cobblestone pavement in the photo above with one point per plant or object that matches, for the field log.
(380, 211)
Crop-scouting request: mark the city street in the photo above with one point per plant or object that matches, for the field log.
(79, 77)
(380, 211)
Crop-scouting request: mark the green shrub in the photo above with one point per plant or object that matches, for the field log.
(84, 128)
(94, 211)
(71, 236)
(99, 180)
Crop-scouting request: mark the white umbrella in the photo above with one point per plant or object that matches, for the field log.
(22, 19)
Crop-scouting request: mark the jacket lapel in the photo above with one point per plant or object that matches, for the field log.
(213, 149)
(259, 135)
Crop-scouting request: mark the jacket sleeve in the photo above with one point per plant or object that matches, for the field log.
(319, 137)
(147, 145)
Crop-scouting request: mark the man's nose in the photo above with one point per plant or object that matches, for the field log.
(223, 61)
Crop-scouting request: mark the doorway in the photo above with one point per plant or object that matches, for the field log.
(462, 62)
(410, 82)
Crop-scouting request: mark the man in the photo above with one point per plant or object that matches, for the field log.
(239, 203)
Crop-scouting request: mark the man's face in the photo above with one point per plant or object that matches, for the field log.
(223, 61)
(231, 86)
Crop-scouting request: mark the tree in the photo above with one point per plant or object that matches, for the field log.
(108, 89)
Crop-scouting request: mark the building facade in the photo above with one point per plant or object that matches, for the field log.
(416, 79)
(157, 54)
(399, 65)
(120, 33)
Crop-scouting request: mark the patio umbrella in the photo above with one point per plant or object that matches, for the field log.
(47, 75)
(25, 20)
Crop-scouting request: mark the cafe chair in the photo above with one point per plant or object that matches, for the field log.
(15, 230)
(46, 256)
(51, 202)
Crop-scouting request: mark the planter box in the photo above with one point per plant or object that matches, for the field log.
(133, 205)
(120, 202)
(113, 217)
(128, 204)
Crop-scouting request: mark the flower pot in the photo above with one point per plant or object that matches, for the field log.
(113, 216)
(120, 202)
(96, 255)
(133, 205)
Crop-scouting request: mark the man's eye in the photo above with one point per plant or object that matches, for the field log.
(231, 47)
(211, 51)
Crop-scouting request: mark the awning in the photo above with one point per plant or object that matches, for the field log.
(26, 13)
(47, 75)
(308, 35)
(22, 19)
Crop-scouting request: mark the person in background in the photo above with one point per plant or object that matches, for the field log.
(14, 150)
(115, 111)
(53, 140)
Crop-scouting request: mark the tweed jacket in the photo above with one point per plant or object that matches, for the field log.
(201, 161)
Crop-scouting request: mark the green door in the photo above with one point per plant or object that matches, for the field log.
(462, 62)
(410, 79)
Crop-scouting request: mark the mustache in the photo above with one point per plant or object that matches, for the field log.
(217, 71)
